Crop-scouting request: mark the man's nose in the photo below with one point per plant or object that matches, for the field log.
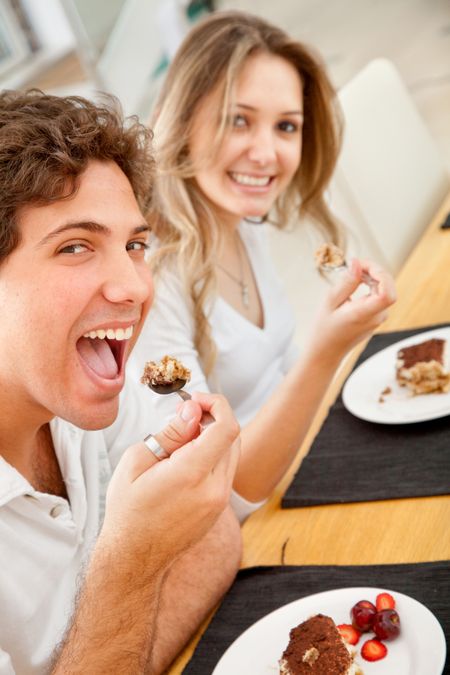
(127, 280)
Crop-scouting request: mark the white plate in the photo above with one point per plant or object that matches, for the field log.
(420, 648)
(361, 393)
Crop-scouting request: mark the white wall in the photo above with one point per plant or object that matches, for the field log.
(51, 25)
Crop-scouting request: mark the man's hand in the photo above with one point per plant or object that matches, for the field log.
(166, 506)
(155, 510)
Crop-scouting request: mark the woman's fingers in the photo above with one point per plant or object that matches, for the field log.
(353, 277)
(349, 280)
(386, 283)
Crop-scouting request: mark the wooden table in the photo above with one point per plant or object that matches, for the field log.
(391, 531)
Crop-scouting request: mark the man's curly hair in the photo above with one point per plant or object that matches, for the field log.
(46, 143)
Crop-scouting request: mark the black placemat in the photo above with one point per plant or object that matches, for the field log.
(352, 460)
(259, 590)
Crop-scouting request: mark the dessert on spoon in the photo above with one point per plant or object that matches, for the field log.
(166, 376)
(169, 376)
(330, 258)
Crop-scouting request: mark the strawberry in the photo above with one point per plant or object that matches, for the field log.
(350, 634)
(384, 601)
(373, 650)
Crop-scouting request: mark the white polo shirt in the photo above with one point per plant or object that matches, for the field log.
(45, 539)
(43, 542)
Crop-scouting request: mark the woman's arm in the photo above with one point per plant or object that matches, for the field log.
(271, 440)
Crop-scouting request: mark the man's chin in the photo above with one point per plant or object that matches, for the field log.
(102, 417)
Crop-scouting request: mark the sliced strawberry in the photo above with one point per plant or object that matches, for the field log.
(350, 634)
(373, 650)
(384, 601)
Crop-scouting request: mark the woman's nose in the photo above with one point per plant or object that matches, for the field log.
(262, 147)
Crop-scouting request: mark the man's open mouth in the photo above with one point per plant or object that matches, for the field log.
(103, 350)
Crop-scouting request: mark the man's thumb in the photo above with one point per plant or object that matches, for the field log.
(141, 456)
(182, 428)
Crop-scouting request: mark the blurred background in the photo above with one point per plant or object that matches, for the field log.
(124, 47)
(78, 46)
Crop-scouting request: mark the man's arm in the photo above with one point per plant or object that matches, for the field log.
(155, 511)
(193, 587)
(114, 625)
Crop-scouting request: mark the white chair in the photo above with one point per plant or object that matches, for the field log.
(390, 177)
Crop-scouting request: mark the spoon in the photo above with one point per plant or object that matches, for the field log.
(176, 387)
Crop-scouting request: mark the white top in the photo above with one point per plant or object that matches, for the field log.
(251, 361)
(44, 539)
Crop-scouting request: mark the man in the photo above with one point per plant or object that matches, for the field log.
(74, 292)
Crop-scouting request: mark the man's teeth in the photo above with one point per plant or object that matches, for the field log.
(245, 179)
(111, 333)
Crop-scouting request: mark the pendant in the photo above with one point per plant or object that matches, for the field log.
(245, 296)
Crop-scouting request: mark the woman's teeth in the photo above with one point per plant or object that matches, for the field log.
(111, 333)
(245, 179)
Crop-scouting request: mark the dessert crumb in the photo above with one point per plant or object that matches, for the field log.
(385, 392)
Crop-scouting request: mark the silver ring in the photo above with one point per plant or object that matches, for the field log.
(154, 447)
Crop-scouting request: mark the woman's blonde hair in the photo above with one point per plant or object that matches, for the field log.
(209, 61)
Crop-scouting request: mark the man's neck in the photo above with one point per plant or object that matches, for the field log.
(36, 460)
(46, 473)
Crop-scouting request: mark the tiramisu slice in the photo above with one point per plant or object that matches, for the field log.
(317, 648)
(421, 367)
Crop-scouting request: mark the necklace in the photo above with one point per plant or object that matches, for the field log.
(239, 281)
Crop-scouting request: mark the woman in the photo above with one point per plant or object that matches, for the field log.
(247, 129)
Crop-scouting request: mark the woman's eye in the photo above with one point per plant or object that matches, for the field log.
(137, 246)
(239, 121)
(73, 249)
(288, 127)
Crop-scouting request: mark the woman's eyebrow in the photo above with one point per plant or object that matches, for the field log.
(283, 112)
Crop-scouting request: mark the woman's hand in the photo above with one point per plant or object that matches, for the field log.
(343, 321)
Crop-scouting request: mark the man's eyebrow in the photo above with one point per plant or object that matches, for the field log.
(89, 226)
(283, 112)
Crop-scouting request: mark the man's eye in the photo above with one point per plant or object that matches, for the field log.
(137, 246)
(288, 127)
(73, 249)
